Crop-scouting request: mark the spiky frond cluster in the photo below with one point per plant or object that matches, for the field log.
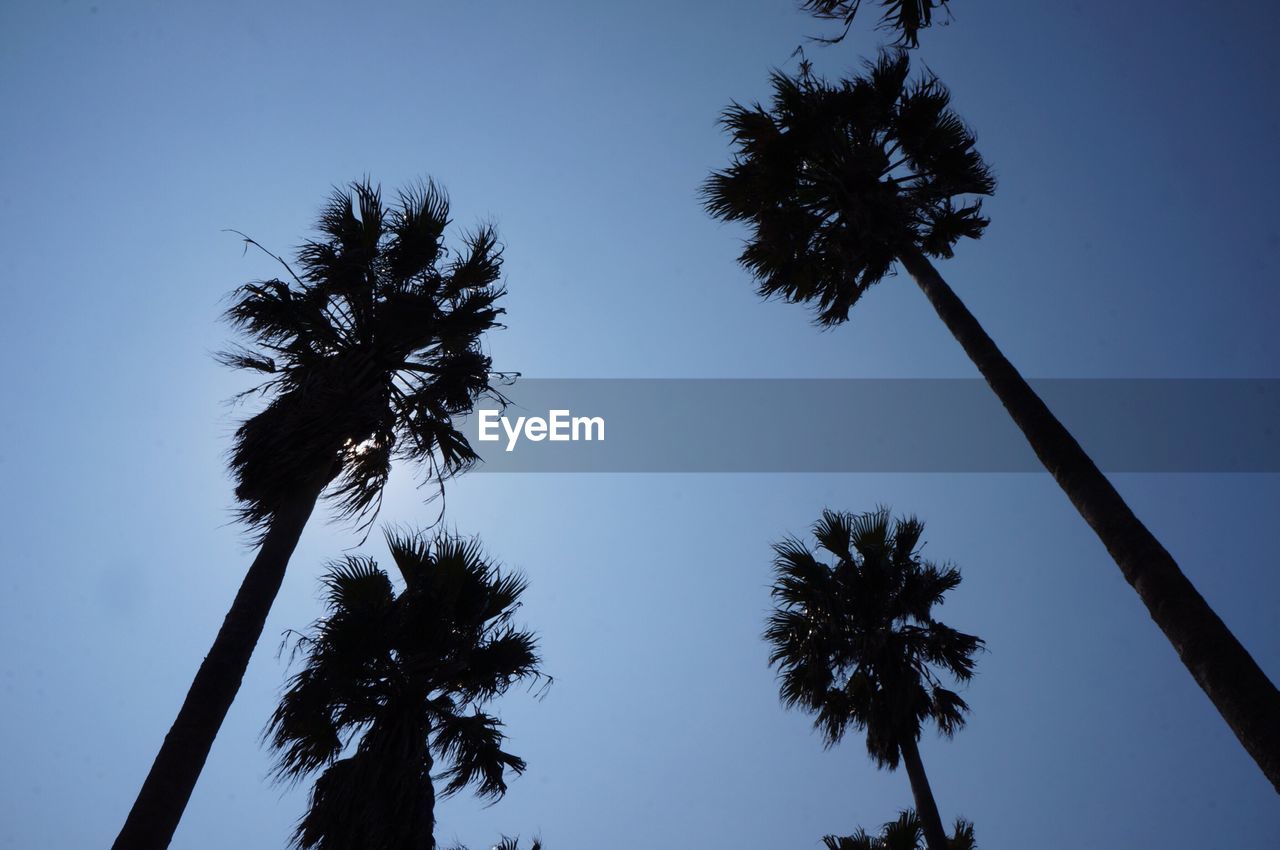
(398, 682)
(855, 641)
(906, 17)
(371, 350)
(837, 180)
(904, 833)
(506, 843)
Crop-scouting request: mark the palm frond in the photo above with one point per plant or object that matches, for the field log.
(835, 181)
(244, 358)
(906, 832)
(473, 746)
(417, 227)
(494, 666)
(860, 840)
(506, 843)
(355, 584)
(302, 729)
(479, 266)
(947, 710)
(372, 350)
(905, 17)
(402, 678)
(963, 837)
(854, 641)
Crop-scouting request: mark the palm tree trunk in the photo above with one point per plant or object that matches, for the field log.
(429, 792)
(1223, 668)
(935, 837)
(164, 795)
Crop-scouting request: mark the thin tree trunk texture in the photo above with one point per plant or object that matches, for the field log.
(1223, 668)
(935, 837)
(168, 786)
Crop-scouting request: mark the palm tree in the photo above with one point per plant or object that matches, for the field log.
(908, 17)
(368, 354)
(506, 843)
(905, 833)
(842, 182)
(397, 682)
(856, 644)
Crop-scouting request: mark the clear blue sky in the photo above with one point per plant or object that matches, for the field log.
(1135, 234)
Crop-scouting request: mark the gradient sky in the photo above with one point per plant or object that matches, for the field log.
(1135, 234)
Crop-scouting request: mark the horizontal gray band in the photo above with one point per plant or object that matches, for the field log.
(875, 425)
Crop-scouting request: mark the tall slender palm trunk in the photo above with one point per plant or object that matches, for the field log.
(935, 837)
(429, 792)
(168, 786)
(1223, 668)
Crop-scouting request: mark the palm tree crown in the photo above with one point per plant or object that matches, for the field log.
(408, 675)
(855, 641)
(904, 833)
(370, 351)
(506, 843)
(837, 179)
(908, 17)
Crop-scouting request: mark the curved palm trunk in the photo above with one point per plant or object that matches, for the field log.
(1223, 668)
(159, 806)
(935, 837)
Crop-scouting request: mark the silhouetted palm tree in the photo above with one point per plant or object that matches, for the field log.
(368, 355)
(505, 843)
(840, 183)
(905, 833)
(856, 644)
(907, 17)
(398, 683)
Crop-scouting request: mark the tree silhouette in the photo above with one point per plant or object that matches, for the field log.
(856, 644)
(367, 354)
(905, 833)
(506, 843)
(398, 683)
(906, 17)
(841, 182)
